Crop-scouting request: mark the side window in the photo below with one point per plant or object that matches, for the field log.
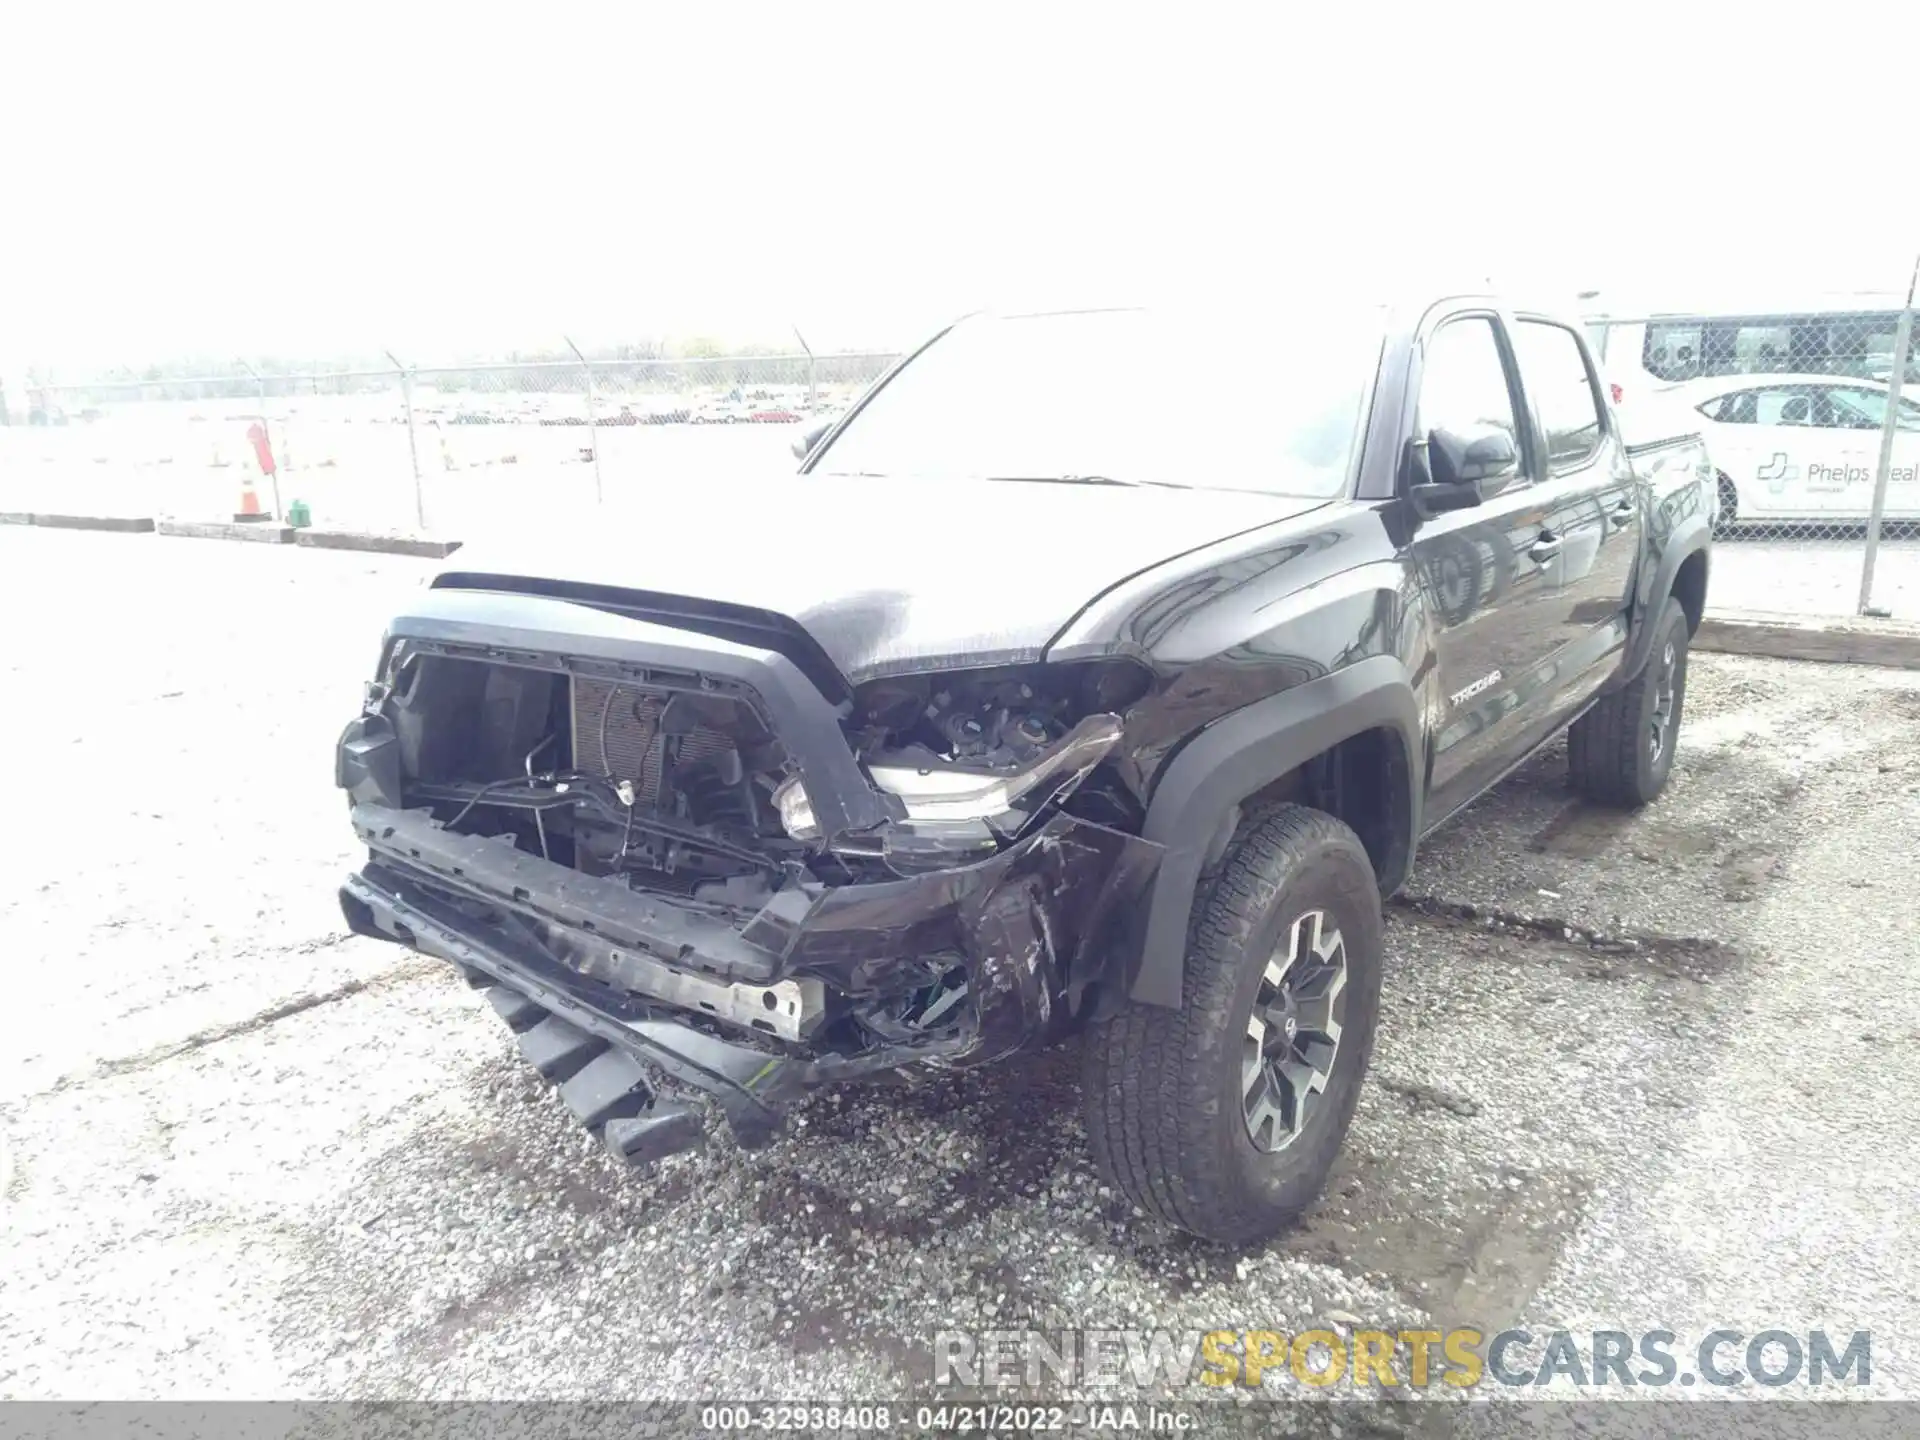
(1855, 408)
(1463, 381)
(1672, 352)
(1554, 371)
(1788, 405)
(1740, 408)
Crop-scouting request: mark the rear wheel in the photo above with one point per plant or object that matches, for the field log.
(1224, 1116)
(1729, 508)
(1621, 751)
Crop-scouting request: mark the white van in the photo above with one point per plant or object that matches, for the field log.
(1645, 351)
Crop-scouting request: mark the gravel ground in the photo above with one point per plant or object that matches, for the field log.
(1634, 1072)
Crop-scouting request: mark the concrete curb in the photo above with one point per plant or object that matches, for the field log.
(228, 530)
(376, 544)
(257, 532)
(124, 524)
(1852, 641)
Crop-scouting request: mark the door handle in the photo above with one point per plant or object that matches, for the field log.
(1544, 549)
(1621, 514)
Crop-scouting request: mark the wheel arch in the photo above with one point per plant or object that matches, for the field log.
(1681, 572)
(1349, 741)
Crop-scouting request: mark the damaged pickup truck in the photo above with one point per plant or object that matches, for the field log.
(1035, 703)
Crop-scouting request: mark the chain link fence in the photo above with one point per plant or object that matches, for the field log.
(413, 447)
(1812, 418)
(1811, 413)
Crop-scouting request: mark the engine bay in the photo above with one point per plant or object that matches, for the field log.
(557, 797)
(673, 783)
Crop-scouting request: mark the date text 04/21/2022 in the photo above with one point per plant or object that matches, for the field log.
(956, 1419)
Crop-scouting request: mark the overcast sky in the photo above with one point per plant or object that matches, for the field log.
(327, 179)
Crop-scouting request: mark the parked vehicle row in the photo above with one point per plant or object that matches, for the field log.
(746, 412)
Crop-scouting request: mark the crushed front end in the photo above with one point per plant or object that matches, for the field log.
(682, 854)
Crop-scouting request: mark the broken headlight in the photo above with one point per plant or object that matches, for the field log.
(796, 810)
(942, 792)
(933, 791)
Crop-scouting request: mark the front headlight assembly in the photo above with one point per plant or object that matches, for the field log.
(935, 793)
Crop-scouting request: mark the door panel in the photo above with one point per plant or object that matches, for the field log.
(1491, 608)
(1594, 510)
(1856, 414)
(1903, 488)
(1771, 459)
(1790, 467)
(1496, 617)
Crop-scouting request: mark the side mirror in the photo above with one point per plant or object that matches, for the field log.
(1462, 469)
(810, 437)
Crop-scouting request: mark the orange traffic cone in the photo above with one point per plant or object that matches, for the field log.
(249, 502)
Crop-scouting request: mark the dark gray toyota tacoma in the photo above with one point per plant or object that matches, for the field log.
(1098, 672)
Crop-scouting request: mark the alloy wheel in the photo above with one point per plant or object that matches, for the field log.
(1293, 1033)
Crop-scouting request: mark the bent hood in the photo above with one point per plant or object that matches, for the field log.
(890, 575)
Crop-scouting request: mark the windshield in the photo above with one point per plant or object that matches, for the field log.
(1131, 397)
(1868, 409)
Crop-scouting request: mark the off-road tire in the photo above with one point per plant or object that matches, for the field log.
(1610, 756)
(1162, 1088)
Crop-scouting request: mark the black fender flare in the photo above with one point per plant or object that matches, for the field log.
(1692, 537)
(1237, 756)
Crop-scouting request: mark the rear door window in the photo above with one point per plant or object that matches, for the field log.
(1740, 408)
(1554, 371)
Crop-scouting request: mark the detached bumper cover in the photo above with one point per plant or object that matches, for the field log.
(1033, 926)
(411, 840)
(751, 1086)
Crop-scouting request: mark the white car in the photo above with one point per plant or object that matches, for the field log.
(1804, 448)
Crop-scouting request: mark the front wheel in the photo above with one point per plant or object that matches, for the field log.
(1224, 1117)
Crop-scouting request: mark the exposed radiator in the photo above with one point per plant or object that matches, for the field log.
(616, 733)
